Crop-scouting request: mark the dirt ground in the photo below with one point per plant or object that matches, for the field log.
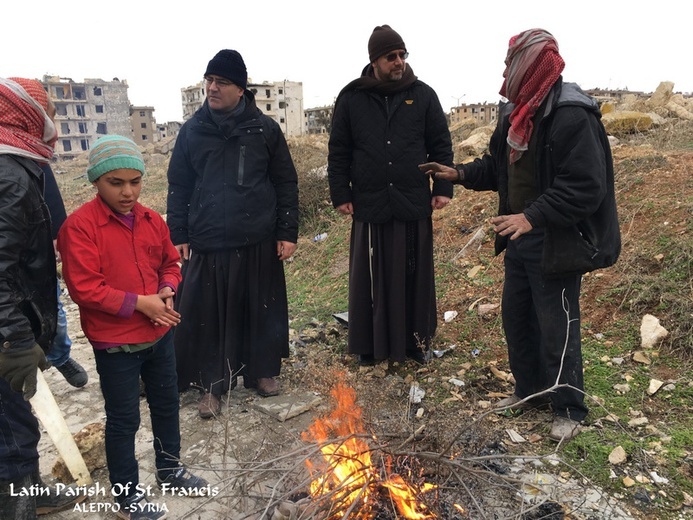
(256, 460)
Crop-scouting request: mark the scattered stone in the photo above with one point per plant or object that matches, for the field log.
(655, 384)
(622, 388)
(90, 441)
(651, 332)
(622, 123)
(638, 421)
(285, 406)
(449, 316)
(687, 500)
(487, 309)
(641, 357)
(618, 456)
(628, 482)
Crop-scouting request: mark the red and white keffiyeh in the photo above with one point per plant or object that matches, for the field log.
(533, 65)
(25, 127)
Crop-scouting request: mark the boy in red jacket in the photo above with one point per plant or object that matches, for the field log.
(122, 270)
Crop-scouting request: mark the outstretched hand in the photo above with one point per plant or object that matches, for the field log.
(439, 171)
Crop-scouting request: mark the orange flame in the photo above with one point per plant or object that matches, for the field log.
(346, 476)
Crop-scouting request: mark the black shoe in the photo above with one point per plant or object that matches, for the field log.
(422, 357)
(182, 479)
(366, 360)
(73, 373)
(137, 507)
(55, 501)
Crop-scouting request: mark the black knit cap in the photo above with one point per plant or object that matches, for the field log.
(383, 40)
(230, 65)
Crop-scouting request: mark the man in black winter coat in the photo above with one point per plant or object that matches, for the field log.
(385, 124)
(550, 161)
(233, 215)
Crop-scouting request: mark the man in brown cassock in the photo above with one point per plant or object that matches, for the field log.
(385, 123)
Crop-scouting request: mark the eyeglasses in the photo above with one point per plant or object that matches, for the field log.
(221, 82)
(394, 55)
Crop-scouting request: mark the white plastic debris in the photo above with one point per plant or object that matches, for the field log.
(416, 394)
(440, 353)
(449, 316)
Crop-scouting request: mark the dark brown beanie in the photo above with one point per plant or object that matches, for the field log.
(230, 65)
(383, 40)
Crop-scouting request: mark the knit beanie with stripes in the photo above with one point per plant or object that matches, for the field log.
(113, 152)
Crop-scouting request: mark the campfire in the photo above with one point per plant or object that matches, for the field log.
(346, 481)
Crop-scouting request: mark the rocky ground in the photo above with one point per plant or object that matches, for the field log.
(436, 423)
(253, 454)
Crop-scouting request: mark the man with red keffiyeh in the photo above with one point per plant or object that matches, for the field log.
(550, 162)
(28, 291)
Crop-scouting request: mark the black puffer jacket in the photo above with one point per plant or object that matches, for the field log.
(376, 145)
(28, 292)
(231, 186)
(575, 176)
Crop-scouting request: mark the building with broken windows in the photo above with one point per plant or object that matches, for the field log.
(280, 100)
(87, 110)
(144, 129)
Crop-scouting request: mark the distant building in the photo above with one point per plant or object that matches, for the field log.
(192, 98)
(87, 110)
(280, 100)
(144, 129)
(318, 120)
(169, 129)
(482, 112)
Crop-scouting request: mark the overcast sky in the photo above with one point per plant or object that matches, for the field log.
(457, 47)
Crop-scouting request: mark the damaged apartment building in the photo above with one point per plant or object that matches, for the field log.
(86, 111)
(280, 100)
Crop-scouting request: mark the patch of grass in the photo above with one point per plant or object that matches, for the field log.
(317, 278)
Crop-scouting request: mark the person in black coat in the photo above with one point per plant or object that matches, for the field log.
(385, 123)
(550, 161)
(232, 209)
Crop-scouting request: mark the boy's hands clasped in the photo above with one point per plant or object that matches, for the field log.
(159, 307)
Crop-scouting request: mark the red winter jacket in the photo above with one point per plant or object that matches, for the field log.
(104, 260)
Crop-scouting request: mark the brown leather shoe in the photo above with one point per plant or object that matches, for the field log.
(267, 386)
(210, 406)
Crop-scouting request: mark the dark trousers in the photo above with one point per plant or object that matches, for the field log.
(19, 436)
(120, 373)
(538, 313)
